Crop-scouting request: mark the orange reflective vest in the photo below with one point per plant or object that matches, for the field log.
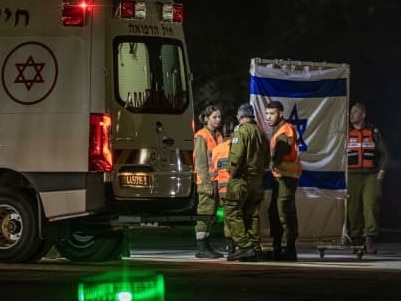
(361, 148)
(220, 163)
(291, 164)
(210, 144)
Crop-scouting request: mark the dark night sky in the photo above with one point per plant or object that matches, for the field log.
(223, 35)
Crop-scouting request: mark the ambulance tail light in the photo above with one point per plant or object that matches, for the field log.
(173, 12)
(132, 10)
(74, 13)
(100, 155)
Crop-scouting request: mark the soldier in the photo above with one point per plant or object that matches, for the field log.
(286, 170)
(367, 157)
(205, 140)
(220, 163)
(248, 158)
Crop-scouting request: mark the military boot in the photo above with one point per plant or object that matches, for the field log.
(277, 250)
(290, 252)
(369, 246)
(209, 247)
(242, 254)
(204, 250)
(231, 247)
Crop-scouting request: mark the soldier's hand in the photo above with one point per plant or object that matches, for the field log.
(209, 190)
(206, 188)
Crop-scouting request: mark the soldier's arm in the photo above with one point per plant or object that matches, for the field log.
(201, 160)
(283, 147)
(382, 152)
(237, 152)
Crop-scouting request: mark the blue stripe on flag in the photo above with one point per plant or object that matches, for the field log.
(297, 89)
(323, 179)
(319, 179)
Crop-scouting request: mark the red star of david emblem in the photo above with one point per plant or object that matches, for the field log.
(29, 73)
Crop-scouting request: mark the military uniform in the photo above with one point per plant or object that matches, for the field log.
(206, 181)
(249, 153)
(367, 156)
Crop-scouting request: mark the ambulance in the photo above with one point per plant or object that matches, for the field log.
(96, 115)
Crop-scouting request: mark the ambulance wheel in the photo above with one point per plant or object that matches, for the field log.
(43, 249)
(81, 246)
(19, 227)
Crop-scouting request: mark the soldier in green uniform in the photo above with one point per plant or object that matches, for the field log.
(367, 157)
(249, 156)
(286, 170)
(206, 140)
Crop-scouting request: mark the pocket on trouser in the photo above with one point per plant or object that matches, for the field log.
(204, 188)
(237, 190)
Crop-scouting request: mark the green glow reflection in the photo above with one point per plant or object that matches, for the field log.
(220, 214)
(122, 286)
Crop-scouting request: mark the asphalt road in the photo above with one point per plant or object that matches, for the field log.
(168, 257)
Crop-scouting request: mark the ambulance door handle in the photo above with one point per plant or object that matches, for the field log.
(167, 141)
(158, 127)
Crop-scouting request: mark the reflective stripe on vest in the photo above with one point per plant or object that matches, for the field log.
(361, 148)
(291, 165)
(210, 144)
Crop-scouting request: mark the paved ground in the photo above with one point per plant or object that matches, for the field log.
(339, 275)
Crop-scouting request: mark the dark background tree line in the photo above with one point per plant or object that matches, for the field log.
(224, 35)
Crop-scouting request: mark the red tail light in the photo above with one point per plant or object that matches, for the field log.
(74, 14)
(100, 156)
(127, 9)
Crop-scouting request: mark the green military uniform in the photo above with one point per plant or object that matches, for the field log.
(249, 153)
(207, 205)
(364, 190)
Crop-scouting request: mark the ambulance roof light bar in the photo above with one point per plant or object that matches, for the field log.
(74, 13)
(173, 12)
(132, 10)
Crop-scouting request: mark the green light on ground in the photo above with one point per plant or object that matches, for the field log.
(122, 286)
(220, 214)
(124, 296)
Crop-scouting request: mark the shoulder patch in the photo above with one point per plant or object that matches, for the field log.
(234, 140)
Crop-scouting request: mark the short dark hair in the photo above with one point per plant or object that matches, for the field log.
(246, 110)
(275, 105)
(360, 106)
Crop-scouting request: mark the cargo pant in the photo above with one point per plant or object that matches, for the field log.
(241, 211)
(207, 205)
(363, 205)
(282, 210)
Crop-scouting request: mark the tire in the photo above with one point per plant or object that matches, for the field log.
(81, 246)
(19, 227)
(42, 250)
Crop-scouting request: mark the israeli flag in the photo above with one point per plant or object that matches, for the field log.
(315, 99)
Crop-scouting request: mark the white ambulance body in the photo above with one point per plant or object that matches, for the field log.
(96, 120)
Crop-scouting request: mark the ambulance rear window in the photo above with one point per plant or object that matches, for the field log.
(150, 75)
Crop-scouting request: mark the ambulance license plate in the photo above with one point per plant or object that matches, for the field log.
(135, 180)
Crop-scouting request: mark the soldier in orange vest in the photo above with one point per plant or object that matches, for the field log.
(367, 157)
(220, 163)
(286, 170)
(206, 140)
